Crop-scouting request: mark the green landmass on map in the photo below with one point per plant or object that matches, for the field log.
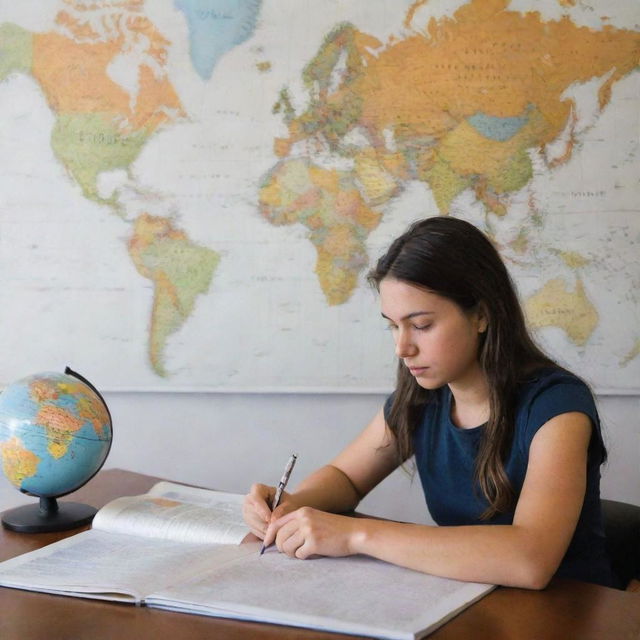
(179, 270)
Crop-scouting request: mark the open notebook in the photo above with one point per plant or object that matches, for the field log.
(178, 548)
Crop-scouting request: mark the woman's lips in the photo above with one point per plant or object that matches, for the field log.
(417, 371)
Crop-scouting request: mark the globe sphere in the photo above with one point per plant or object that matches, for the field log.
(55, 433)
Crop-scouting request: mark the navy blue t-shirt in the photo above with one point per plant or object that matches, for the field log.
(445, 458)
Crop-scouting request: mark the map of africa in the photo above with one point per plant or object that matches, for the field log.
(194, 189)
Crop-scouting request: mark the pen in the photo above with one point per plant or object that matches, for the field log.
(281, 485)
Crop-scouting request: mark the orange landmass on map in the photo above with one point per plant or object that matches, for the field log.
(486, 58)
(43, 390)
(60, 426)
(18, 463)
(74, 78)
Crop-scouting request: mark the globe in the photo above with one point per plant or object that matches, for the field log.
(55, 435)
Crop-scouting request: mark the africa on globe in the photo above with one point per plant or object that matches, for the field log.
(55, 435)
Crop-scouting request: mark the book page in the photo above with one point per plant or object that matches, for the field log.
(356, 594)
(110, 566)
(179, 513)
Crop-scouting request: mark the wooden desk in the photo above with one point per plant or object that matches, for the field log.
(563, 611)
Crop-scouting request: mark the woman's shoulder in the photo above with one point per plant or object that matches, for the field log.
(551, 391)
(548, 379)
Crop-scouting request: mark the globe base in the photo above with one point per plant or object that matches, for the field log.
(48, 516)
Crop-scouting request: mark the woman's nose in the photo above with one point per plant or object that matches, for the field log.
(404, 345)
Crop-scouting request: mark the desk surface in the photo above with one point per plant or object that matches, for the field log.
(566, 609)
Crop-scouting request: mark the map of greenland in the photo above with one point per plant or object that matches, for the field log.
(216, 27)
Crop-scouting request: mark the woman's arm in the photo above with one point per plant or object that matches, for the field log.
(337, 487)
(525, 554)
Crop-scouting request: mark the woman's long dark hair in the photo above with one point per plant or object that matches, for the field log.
(453, 259)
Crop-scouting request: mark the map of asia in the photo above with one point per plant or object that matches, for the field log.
(192, 191)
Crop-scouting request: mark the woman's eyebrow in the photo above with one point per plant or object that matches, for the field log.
(410, 315)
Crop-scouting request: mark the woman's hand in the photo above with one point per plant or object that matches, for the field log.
(256, 508)
(337, 487)
(309, 532)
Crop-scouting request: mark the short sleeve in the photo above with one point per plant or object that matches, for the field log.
(556, 398)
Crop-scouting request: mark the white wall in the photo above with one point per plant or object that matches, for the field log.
(227, 441)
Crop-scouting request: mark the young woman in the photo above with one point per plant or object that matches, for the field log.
(502, 436)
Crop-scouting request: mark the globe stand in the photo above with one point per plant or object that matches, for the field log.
(48, 516)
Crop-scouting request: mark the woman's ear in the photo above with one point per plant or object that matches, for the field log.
(483, 321)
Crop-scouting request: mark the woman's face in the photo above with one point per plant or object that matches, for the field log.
(437, 341)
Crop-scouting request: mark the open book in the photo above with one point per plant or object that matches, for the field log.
(178, 548)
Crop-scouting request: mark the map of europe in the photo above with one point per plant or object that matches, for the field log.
(195, 189)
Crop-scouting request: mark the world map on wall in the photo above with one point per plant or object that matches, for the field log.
(193, 190)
